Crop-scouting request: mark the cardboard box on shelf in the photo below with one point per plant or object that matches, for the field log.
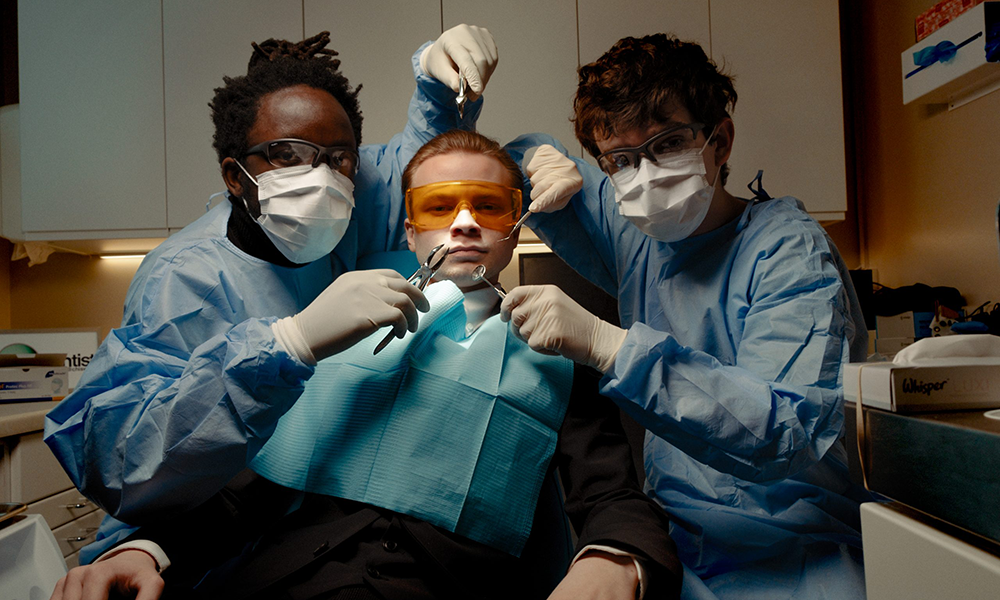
(908, 324)
(940, 14)
(888, 347)
(77, 344)
(33, 377)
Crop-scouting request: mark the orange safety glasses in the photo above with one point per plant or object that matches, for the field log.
(435, 206)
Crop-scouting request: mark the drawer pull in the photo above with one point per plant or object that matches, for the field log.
(88, 533)
(81, 503)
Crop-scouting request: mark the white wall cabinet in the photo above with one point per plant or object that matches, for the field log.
(789, 117)
(532, 88)
(202, 41)
(115, 132)
(374, 41)
(91, 95)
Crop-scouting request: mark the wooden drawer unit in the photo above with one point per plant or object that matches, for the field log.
(62, 508)
(31, 471)
(78, 533)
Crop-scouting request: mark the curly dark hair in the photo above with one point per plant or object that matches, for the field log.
(276, 65)
(628, 87)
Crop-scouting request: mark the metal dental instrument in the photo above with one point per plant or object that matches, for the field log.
(477, 275)
(517, 226)
(420, 278)
(461, 97)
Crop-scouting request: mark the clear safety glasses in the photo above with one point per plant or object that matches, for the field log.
(292, 153)
(666, 142)
(435, 206)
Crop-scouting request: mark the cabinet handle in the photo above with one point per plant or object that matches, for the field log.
(88, 533)
(81, 503)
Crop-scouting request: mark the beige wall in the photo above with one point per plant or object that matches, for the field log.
(930, 180)
(5, 249)
(68, 290)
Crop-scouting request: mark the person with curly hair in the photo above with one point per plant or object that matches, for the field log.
(737, 315)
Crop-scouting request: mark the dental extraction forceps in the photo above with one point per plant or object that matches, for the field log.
(420, 278)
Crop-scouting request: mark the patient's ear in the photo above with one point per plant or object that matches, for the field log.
(410, 233)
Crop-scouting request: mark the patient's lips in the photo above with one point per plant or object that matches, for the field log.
(461, 251)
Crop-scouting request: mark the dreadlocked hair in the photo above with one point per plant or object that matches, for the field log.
(276, 65)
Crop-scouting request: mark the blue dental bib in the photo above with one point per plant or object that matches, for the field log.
(456, 431)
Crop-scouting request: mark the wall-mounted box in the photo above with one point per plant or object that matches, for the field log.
(957, 63)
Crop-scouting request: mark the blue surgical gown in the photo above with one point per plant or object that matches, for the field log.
(732, 363)
(184, 393)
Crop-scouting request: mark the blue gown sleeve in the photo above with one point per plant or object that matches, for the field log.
(587, 234)
(161, 420)
(778, 409)
(432, 111)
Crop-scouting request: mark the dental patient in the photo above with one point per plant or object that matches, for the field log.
(426, 470)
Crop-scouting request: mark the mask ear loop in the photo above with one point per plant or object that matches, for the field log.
(245, 172)
(707, 142)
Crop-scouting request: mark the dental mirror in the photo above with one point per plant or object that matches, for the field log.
(478, 275)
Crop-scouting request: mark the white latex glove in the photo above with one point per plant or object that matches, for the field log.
(354, 306)
(553, 323)
(554, 178)
(464, 49)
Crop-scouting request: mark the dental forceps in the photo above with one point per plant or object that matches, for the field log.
(420, 278)
(461, 97)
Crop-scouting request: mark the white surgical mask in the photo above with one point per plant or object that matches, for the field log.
(667, 199)
(304, 210)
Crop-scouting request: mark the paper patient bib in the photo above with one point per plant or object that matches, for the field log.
(455, 431)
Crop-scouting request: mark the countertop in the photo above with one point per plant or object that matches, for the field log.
(23, 417)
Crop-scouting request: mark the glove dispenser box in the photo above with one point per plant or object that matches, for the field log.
(957, 63)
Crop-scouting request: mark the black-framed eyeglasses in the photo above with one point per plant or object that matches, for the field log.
(291, 152)
(663, 143)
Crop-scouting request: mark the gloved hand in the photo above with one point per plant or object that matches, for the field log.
(354, 306)
(464, 49)
(554, 178)
(553, 323)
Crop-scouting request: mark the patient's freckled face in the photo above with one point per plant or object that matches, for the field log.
(471, 245)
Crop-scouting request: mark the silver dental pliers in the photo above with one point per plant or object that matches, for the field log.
(420, 278)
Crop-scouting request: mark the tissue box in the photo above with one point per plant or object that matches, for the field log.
(951, 384)
(33, 377)
(940, 14)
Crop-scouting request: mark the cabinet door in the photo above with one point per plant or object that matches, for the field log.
(604, 22)
(532, 88)
(375, 41)
(91, 90)
(789, 118)
(202, 42)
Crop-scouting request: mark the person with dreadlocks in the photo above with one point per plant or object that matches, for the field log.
(225, 320)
